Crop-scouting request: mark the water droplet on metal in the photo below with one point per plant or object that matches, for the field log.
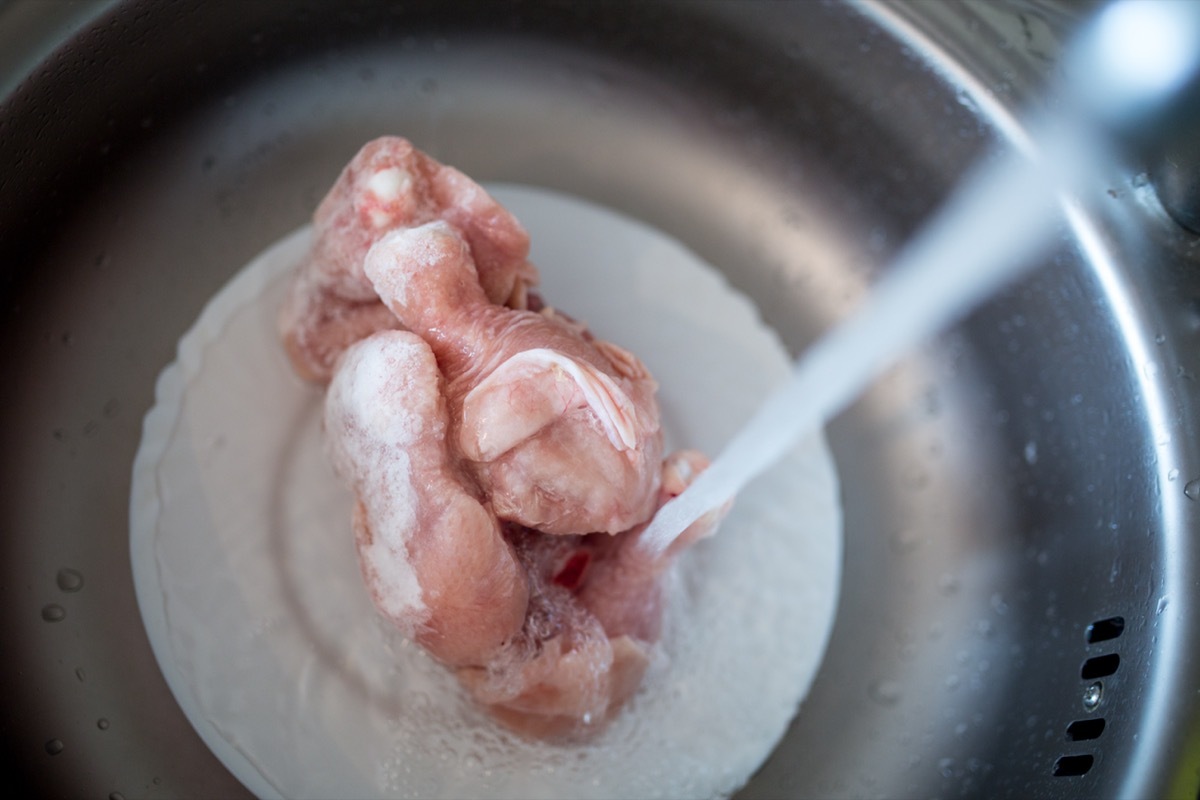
(946, 767)
(80, 674)
(1173, 475)
(1192, 489)
(948, 584)
(54, 613)
(1163, 602)
(1150, 369)
(54, 746)
(999, 604)
(965, 99)
(1092, 696)
(102, 724)
(69, 580)
(905, 541)
(1031, 454)
(884, 692)
(116, 796)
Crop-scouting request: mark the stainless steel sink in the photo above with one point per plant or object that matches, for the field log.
(1018, 608)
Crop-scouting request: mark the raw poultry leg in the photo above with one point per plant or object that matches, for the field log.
(390, 184)
(433, 556)
(551, 633)
(595, 611)
(561, 430)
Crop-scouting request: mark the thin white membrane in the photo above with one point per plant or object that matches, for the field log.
(248, 583)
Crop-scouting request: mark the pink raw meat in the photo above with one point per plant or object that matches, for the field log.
(503, 459)
(390, 184)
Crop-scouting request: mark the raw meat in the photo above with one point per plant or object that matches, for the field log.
(504, 460)
(560, 430)
(390, 184)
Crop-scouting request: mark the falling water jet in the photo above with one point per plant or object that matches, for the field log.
(1124, 75)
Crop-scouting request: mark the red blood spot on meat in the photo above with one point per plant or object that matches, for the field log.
(571, 574)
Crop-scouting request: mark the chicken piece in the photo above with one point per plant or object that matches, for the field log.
(504, 461)
(560, 430)
(432, 555)
(390, 184)
(551, 633)
(596, 609)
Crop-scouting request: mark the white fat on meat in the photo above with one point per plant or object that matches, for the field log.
(368, 446)
(496, 415)
(433, 557)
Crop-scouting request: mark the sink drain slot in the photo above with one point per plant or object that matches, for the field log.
(1105, 629)
(1082, 730)
(1072, 766)
(1100, 666)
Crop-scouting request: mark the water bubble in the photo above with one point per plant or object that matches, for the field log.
(905, 541)
(965, 100)
(1192, 489)
(54, 613)
(884, 692)
(54, 746)
(948, 584)
(69, 580)
(1092, 696)
(999, 605)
